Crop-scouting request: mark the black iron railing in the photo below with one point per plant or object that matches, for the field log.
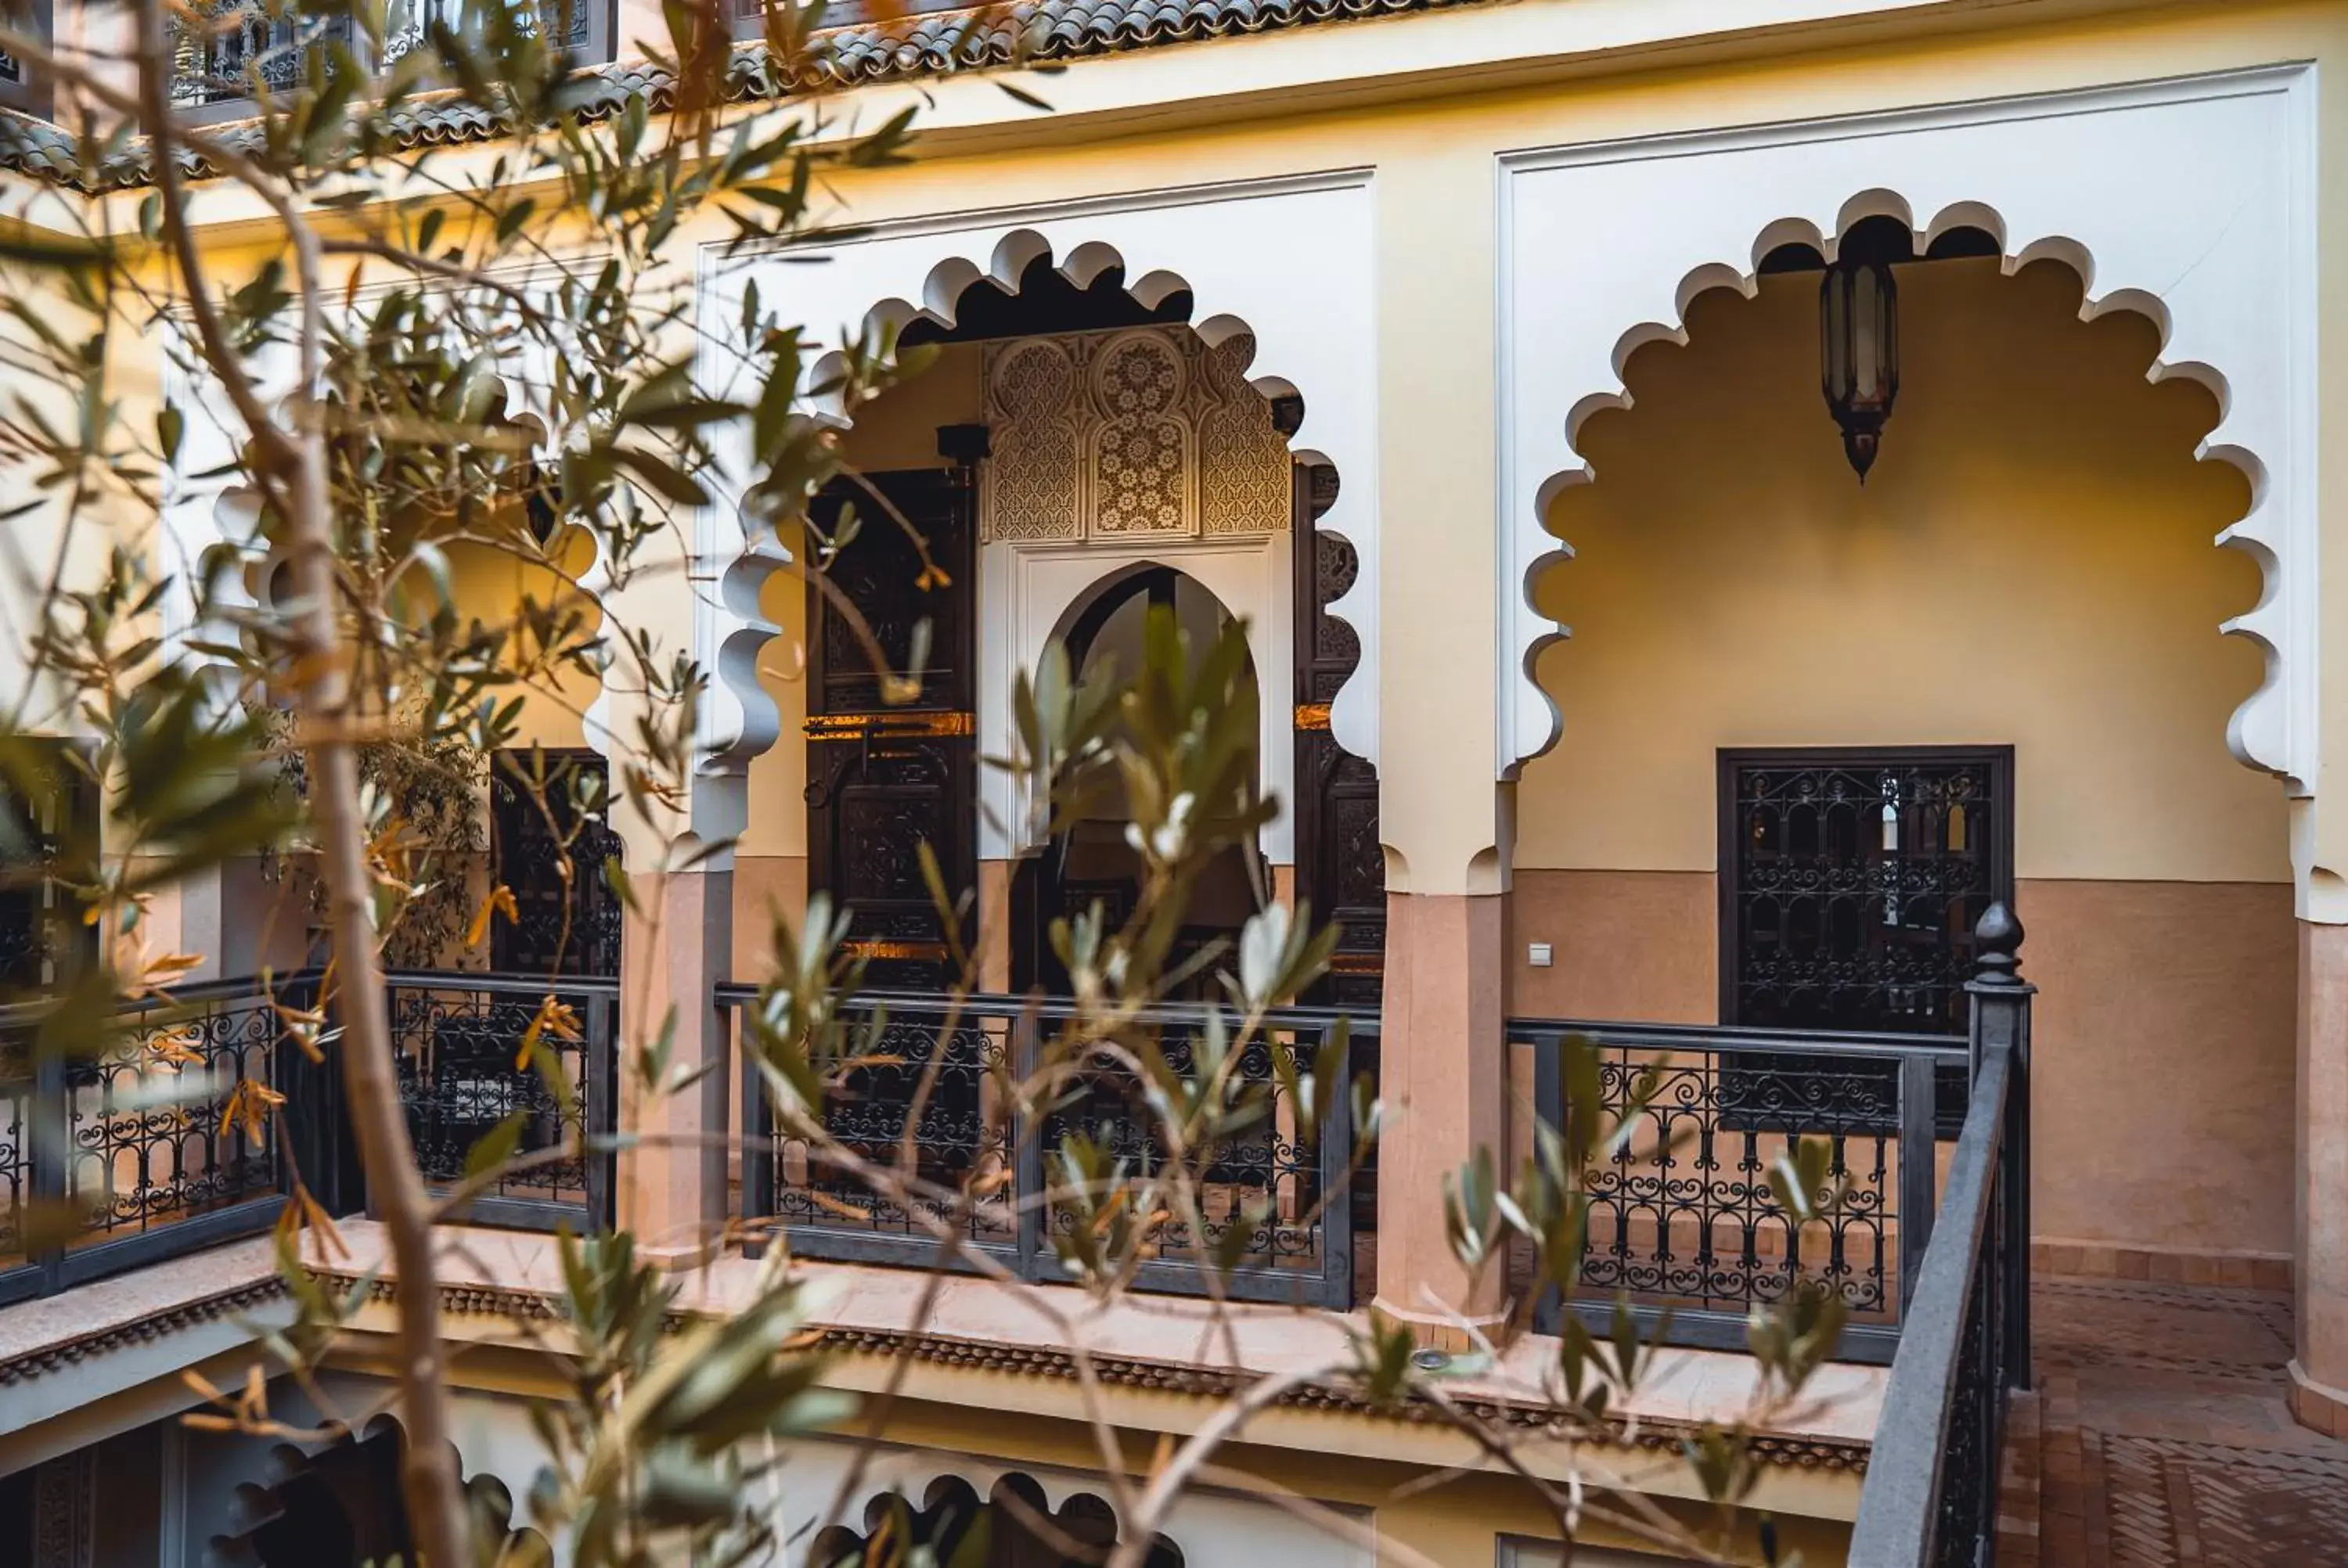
(463, 1071)
(986, 1162)
(140, 1149)
(1930, 1500)
(1683, 1217)
(175, 1124)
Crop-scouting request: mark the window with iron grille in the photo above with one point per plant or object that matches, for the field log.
(1850, 882)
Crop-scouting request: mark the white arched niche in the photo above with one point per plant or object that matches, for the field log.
(1288, 262)
(2190, 201)
(1031, 593)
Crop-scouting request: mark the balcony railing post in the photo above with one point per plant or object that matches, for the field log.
(2001, 1017)
(1919, 1191)
(1336, 1148)
(1548, 1110)
(758, 1197)
(1026, 1146)
(596, 1107)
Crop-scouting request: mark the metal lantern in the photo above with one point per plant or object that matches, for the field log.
(1859, 336)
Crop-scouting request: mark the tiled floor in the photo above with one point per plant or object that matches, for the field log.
(2158, 1436)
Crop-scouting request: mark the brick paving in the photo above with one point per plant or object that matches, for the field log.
(2158, 1436)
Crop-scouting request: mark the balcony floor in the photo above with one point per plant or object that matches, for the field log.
(2159, 1437)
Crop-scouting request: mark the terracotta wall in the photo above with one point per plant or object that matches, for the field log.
(2030, 564)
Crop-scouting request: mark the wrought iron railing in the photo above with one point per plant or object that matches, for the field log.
(982, 1153)
(124, 1138)
(1930, 1499)
(1684, 1220)
(176, 1123)
(458, 1040)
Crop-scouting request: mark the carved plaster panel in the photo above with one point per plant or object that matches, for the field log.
(1150, 433)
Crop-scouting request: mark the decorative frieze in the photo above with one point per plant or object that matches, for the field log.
(1144, 434)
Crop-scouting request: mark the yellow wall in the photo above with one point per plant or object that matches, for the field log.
(486, 583)
(2029, 564)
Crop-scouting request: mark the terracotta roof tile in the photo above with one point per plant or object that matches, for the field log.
(927, 43)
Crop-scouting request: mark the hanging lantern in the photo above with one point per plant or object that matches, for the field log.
(1858, 334)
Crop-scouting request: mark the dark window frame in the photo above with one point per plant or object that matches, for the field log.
(1996, 759)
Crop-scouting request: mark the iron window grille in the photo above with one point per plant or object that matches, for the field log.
(1850, 883)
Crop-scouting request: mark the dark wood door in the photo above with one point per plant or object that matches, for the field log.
(48, 834)
(564, 925)
(1341, 868)
(891, 767)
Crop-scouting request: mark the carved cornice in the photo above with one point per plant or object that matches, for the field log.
(1051, 1363)
(68, 1353)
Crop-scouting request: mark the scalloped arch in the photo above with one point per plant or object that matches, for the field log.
(2190, 202)
(1233, 248)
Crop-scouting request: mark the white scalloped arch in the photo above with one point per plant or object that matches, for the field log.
(2190, 202)
(1288, 262)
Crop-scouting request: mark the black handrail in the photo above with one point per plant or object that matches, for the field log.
(783, 1182)
(1914, 1507)
(1930, 1499)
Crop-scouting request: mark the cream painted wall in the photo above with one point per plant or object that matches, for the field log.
(1433, 167)
(2030, 563)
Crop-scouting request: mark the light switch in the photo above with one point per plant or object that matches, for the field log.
(1538, 955)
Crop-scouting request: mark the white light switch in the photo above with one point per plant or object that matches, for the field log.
(1538, 955)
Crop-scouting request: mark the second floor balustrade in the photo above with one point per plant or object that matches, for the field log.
(990, 1130)
(173, 1124)
(226, 57)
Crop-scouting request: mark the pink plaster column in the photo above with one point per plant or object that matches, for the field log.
(1443, 1070)
(2318, 1373)
(677, 944)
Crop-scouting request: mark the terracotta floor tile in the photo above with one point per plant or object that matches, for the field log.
(2158, 1436)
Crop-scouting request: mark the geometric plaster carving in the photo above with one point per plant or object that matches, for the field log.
(1284, 264)
(1138, 433)
(2191, 202)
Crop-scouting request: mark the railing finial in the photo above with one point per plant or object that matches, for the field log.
(1997, 945)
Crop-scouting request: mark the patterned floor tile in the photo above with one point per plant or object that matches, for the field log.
(2157, 1437)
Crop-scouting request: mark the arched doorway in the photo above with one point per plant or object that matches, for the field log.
(990, 467)
(1088, 859)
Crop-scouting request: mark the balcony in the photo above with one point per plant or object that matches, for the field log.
(175, 1137)
(223, 68)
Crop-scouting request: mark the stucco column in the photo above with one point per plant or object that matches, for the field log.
(1443, 1064)
(677, 945)
(2319, 1372)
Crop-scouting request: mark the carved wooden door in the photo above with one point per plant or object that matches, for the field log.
(1341, 868)
(886, 776)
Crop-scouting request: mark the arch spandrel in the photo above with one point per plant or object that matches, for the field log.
(2190, 202)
